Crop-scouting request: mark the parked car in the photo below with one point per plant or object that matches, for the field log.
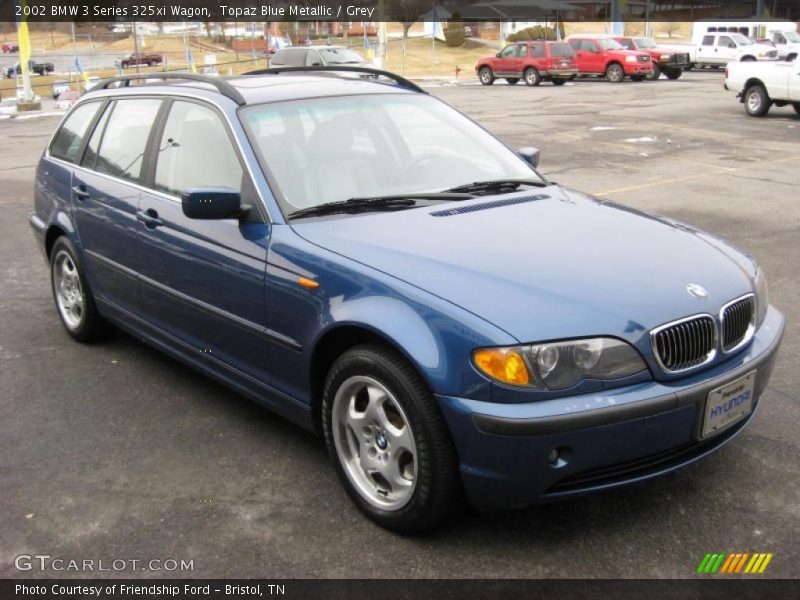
(10, 48)
(140, 59)
(665, 61)
(356, 255)
(718, 49)
(603, 55)
(316, 56)
(33, 66)
(787, 44)
(759, 86)
(533, 62)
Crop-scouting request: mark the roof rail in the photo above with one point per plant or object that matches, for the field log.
(223, 86)
(347, 69)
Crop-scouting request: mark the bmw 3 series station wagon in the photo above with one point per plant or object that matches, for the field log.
(368, 262)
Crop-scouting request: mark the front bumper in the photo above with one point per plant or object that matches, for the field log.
(604, 439)
(638, 68)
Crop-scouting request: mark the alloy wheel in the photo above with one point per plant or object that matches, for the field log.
(70, 299)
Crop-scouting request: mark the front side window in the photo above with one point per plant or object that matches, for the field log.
(645, 43)
(725, 42)
(195, 151)
(741, 40)
(69, 138)
(509, 51)
(124, 140)
(330, 149)
(313, 59)
(610, 44)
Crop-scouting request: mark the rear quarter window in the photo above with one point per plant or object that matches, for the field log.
(69, 138)
(561, 49)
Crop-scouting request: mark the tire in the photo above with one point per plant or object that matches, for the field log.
(748, 59)
(73, 297)
(756, 101)
(791, 57)
(124, 65)
(402, 436)
(796, 108)
(654, 74)
(674, 74)
(153, 63)
(615, 73)
(486, 76)
(512, 80)
(532, 76)
(559, 81)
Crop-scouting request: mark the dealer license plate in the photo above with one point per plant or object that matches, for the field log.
(728, 403)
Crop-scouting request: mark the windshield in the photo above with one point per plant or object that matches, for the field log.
(741, 39)
(792, 36)
(645, 43)
(340, 56)
(331, 149)
(610, 44)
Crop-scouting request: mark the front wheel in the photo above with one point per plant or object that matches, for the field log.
(72, 295)
(486, 76)
(388, 440)
(532, 76)
(674, 74)
(124, 65)
(654, 74)
(153, 63)
(748, 59)
(796, 108)
(615, 73)
(756, 101)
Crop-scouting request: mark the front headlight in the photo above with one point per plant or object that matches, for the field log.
(630, 58)
(762, 296)
(559, 365)
(666, 56)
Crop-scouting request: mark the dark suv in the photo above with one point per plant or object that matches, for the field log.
(533, 62)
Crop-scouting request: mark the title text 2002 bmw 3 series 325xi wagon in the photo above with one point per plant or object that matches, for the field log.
(368, 262)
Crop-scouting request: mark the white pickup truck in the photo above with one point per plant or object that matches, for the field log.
(760, 85)
(718, 49)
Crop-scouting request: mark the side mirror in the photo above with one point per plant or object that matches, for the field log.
(530, 154)
(213, 203)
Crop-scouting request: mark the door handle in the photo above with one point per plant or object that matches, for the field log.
(79, 191)
(149, 217)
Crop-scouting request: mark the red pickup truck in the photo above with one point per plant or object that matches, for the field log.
(603, 55)
(669, 62)
(533, 62)
(141, 59)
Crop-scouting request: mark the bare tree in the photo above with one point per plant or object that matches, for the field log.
(407, 12)
(671, 27)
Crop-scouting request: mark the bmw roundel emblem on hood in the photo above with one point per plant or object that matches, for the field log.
(698, 291)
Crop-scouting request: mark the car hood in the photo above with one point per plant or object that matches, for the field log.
(547, 263)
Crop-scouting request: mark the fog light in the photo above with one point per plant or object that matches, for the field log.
(552, 458)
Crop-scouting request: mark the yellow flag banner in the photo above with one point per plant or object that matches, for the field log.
(24, 44)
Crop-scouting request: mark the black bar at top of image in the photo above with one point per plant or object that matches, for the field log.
(393, 10)
(712, 588)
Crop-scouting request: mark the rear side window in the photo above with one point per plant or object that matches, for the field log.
(124, 138)
(561, 49)
(69, 138)
(708, 40)
(538, 50)
(296, 57)
(195, 151)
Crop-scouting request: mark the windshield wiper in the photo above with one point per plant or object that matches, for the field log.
(369, 203)
(496, 185)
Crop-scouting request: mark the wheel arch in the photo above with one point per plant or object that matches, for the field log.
(332, 344)
(750, 83)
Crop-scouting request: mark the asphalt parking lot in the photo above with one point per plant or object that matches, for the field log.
(114, 451)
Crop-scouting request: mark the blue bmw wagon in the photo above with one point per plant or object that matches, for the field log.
(373, 265)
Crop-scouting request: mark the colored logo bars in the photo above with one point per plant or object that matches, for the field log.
(740, 562)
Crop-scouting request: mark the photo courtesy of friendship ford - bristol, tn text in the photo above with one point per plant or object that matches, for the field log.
(494, 291)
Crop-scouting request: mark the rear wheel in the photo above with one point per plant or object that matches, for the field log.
(654, 74)
(486, 76)
(532, 76)
(124, 65)
(153, 63)
(559, 81)
(674, 74)
(615, 73)
(388, 440)
(512, 80)
(756, 101)
(796, 108)
(72, 295)
(748, 58)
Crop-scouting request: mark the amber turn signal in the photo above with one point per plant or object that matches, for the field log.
(502, 364)
(308, 283)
